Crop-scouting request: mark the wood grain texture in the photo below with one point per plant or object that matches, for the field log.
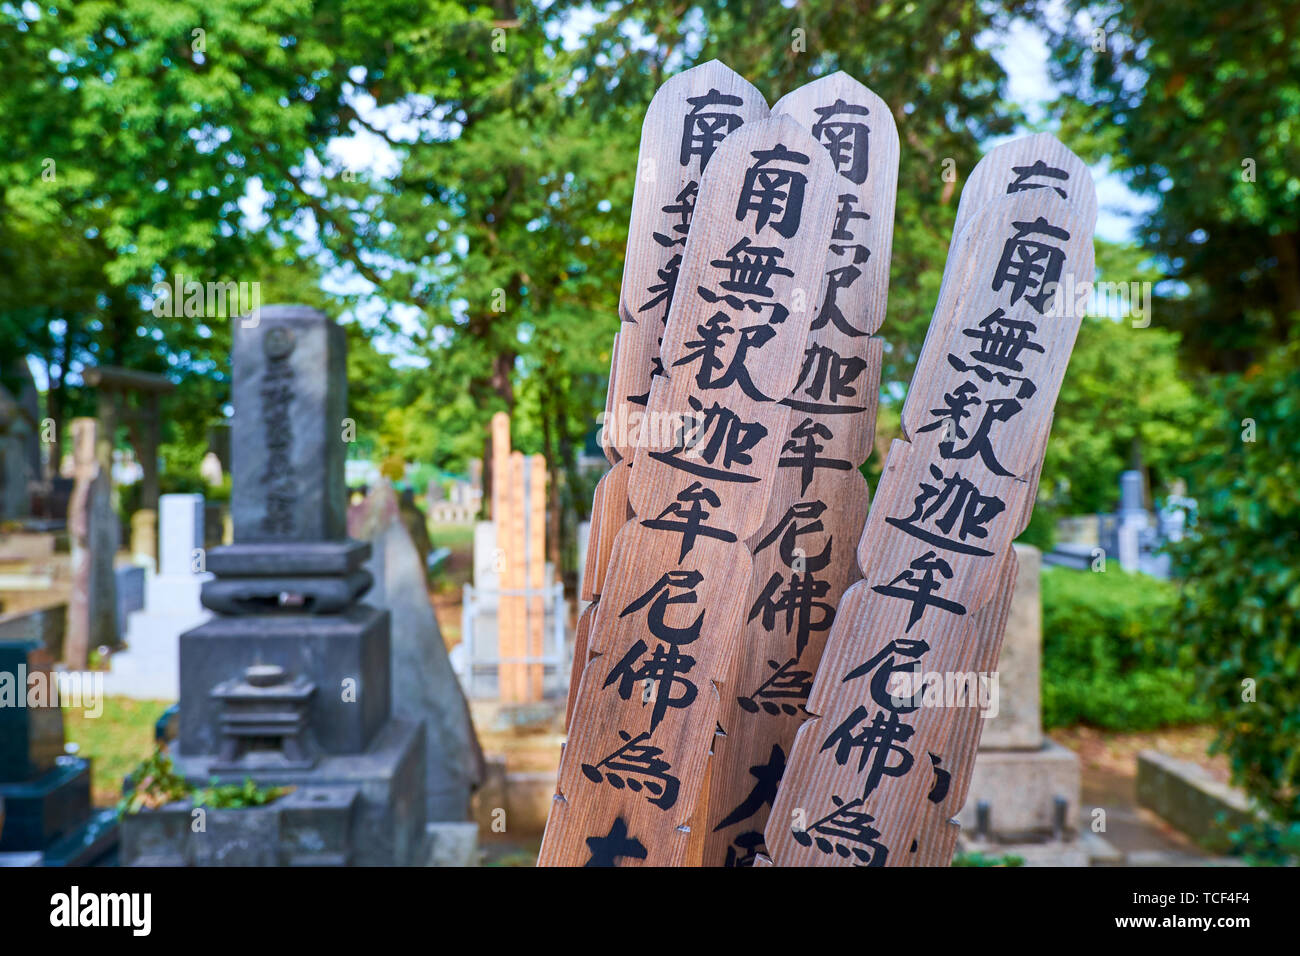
(1032, 162)
(663, 639)
(581, 641)
(688, 118)
(514, 578)
(609, 512)
(731, 354)
(950, 500)
(804, 550)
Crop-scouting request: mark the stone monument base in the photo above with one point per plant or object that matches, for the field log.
(346, 655)
(1020, 788)
(1046, 853)
(362, 809)
(452, 844)
(52, 816)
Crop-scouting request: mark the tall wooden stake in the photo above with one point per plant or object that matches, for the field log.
(950, 501)
(804, 550)
(670, 616)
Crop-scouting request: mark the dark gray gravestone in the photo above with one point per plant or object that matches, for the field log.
(290, 386)
(46, 793)
(290, 682)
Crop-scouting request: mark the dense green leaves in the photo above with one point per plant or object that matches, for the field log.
(1110, 658)
(1239, 612)
(1199, 105)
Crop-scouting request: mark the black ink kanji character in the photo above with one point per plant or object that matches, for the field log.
(666, 286)
(683, 207)
(900, 656)
(879, 739)
(1039, 168)
(767, 775)
(774, 193)
(1001, 342)
(1031, 265)
(714, 434)
(843, 831)
(921, 587)
(607, 849)
(665, 670)
(842, 229)
(712, 341)
(637, 766)
(805, 452)
(661, 593)
(826, 377)
(959, 402)
(837, 280)
(691, 514)
(656, 369)
(744, 849)
(967, 515)
(750, 268)
(789, 530)
(783, 685)
(942, 780)
(704, 129)
(845, 139)
(803, 612)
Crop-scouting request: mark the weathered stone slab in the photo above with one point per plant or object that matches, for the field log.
(1019, 723)
(290, 398)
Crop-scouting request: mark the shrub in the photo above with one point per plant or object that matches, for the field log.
(1109, 655)
(1239, 612)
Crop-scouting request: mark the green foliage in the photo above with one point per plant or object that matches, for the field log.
(1268, 843)
(236, 796)
(1239, 613)
(1124, 403)
(155, 783)
(1198, 104)
(979, 859)
(1109, 656)
(1041, 530)
(946, 90)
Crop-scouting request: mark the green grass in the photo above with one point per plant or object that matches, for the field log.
(458, 537)
(117, 740)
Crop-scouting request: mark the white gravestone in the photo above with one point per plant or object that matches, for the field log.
(150, 667)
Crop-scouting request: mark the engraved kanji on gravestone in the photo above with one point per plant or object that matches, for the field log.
(288, 495)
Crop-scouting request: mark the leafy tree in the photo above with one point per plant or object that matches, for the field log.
(946, 89)
(1239, 613)
(1198, 104)
(1125, 403)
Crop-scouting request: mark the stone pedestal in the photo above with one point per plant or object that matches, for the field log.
(1025, 790)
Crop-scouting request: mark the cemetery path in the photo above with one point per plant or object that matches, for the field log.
(1109, 771)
